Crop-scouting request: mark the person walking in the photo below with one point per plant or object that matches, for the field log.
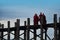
(35, 24)
(42, 19)
(36, 18)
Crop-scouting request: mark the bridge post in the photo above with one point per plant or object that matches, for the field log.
(17, 29)
(8, 30)
(35, 31)
(55, 26)
(25, 30)
(59, 28)
(28, 28)
(15, 37)
(2, 31)
(45, 34)
(17, 24)
(59, 19)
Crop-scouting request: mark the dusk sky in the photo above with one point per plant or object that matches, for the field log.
(27, 8)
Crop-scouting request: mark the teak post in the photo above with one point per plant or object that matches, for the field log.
(59, 28)
(2, 31)
(55, 26)
(28, 28)
(25, 30)
(8, 30)
(17, 24)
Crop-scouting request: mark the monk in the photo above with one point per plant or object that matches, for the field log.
(36, 18)
(42, 19)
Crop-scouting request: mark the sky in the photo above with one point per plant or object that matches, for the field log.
(27, 8)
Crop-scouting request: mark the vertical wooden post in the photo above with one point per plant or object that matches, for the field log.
(2, 31)
(41, 29)
(45, 34)
(15, 37)
(35, 32)
(28, 24)
(8, 30)
(55, 26)
(25, 30)
(59, 28)
(17, 29)
(17, 24)
(59, 19)
(0, 24)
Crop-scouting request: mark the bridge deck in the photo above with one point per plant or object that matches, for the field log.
(50, 25)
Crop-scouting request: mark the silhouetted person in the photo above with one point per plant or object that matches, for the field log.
(42, 16)
(44, 21)
(36, 19)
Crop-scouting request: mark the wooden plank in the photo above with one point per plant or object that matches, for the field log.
(50, 25)
(55, 26)
(8, 30)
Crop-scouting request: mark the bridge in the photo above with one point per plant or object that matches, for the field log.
(27, 29)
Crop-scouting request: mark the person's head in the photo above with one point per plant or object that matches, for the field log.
(36, 14)
(41, 13)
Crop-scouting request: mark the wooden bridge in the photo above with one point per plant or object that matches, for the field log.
(27, 29)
